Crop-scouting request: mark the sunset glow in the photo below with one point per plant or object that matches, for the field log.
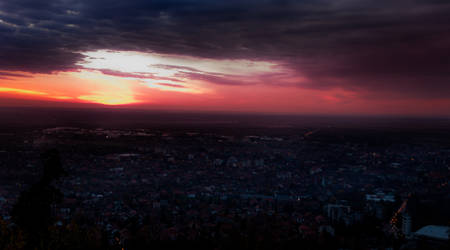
(21, 91)
(233, 124)
(296, 61)
(108, 99)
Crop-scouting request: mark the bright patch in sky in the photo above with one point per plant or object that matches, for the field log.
(127, 77)
(108, 98)
(163, 65)
(175, 72)
(21, 91)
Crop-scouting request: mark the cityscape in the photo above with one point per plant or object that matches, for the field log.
(234, 183)
(224, 124)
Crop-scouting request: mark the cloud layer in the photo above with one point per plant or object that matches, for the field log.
(379, 48)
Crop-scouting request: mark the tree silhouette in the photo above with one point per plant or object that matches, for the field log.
(32, 212)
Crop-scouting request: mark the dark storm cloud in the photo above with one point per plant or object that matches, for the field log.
(136, 75)
(212, 78)
(196, 74)
(175, 67)
(9, 74)
(172, 85)
(398, 46)
(124, 74)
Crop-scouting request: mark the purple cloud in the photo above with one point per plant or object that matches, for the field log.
(399, 47)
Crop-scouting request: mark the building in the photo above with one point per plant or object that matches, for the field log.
(337, 212)
(406, 225)
(433, 232)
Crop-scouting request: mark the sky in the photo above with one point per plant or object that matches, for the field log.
(346, 57)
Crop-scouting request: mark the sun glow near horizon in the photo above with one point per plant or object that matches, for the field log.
(108, 99)
(127, 77)
(21, 91)
(152, 80)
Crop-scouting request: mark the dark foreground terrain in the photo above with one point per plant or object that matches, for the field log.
(118, 179)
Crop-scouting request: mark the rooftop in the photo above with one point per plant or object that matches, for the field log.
(435, 232)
